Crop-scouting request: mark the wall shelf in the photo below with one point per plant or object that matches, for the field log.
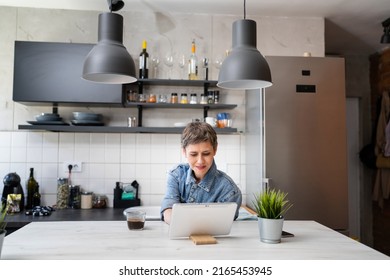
(176, 82)
(114, 129)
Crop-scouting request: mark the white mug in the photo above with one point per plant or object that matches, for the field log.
(211, 121)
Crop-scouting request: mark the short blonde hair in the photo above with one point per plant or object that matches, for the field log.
(198, 132)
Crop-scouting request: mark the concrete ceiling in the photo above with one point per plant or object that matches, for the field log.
(352, 27)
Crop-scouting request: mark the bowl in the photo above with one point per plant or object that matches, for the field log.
(82, 116)
(44, 117)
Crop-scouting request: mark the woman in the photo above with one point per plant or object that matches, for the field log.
(199, 180)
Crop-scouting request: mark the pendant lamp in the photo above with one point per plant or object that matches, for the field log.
(109, 62)
(245, 67)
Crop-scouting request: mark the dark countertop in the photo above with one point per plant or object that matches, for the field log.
(19, 220)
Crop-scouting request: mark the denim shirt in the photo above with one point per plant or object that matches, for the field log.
(216, 186)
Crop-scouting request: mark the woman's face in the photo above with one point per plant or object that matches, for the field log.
(200, 158)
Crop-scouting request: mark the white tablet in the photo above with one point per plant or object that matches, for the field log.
(214, 219)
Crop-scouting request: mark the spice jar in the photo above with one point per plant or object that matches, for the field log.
(99, 201)
(86, 200)
(183, 98)
(216, 96)
(193, 98)
(210, 97)
(203, 99)
(152, 98)
(62, 193)
(174, 98)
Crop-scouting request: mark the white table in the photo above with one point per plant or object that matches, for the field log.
(112, 240)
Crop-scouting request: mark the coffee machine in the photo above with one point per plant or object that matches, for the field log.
(12, 186)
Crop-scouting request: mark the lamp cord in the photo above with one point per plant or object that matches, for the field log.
(244, 9)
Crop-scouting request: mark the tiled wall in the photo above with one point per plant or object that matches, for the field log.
(108, 158)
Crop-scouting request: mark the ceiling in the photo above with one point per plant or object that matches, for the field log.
(352, 27)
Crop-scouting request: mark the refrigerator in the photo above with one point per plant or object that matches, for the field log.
(296, 138)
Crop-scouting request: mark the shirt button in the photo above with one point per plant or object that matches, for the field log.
(191, 199)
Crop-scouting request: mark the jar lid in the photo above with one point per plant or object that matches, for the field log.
(184, 94)
(86, 193)
(174, 93)
(193, 94)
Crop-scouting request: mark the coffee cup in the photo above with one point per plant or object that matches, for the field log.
(135, 219)
(211, 121)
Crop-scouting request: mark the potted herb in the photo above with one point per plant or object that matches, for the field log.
(270, 206)
(3, 224)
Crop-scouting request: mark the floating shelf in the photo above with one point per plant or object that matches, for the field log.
(114, 129)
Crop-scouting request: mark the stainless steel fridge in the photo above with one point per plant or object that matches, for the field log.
(296, 138)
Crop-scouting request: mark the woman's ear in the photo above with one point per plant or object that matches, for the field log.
(183, 150)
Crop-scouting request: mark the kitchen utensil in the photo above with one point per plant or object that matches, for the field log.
(87, 116)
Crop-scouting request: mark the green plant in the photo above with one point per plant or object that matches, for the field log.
(271, 204)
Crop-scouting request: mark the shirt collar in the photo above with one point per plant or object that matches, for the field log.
(207, 181)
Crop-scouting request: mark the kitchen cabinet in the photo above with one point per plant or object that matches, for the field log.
(48, 74)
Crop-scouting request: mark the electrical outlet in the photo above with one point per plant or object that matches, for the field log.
(76, 166)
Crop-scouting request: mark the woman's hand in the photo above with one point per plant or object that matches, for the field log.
(167, 215)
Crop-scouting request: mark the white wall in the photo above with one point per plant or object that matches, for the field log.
(108, 158)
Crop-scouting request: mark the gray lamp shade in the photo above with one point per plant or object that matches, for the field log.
(245, 67)
(109, 62)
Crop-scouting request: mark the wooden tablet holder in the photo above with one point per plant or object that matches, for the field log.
(203, 239)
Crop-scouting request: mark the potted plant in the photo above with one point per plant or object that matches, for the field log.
(3, 223)
(270, 206)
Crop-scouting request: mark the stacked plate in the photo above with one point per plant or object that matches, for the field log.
(48, 119)
(82, 118)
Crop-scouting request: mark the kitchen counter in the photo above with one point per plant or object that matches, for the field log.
(19, 220)
(79, 240)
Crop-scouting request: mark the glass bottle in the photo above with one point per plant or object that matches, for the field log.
(32, 186)
(193, 63)
(36, 201)
(143, 62)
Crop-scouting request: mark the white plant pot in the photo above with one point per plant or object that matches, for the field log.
(270, 230)
(2, 236)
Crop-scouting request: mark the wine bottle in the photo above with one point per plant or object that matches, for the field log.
(31, 189)
(36, 201)
(193, 63)
(143, 62)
